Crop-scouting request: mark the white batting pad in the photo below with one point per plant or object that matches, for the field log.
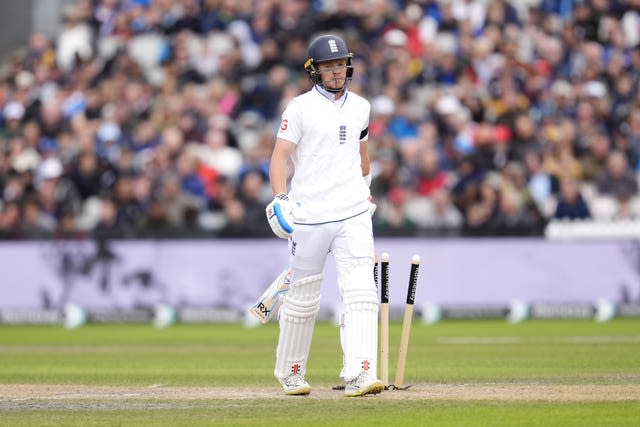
(297, 320)
(360, 345)
(360, 325)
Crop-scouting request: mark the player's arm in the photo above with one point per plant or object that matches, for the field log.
(278, 166)
(281, 212)
(365, 163)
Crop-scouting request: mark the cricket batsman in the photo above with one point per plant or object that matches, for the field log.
(325, 210)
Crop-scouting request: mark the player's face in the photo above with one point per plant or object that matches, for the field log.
(333, 73)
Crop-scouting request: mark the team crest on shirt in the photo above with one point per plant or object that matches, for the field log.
(343, 134)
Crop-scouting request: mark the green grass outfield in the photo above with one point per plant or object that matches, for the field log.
(462, 373)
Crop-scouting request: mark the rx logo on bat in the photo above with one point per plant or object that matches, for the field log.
(263, 309)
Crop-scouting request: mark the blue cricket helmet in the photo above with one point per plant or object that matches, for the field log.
(326, 48)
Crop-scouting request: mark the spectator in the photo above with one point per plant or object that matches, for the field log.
(190, 182)
(571, 204)
(10, 220)
(264, 96)
(56, 193)
(524, 139)
(594, 160)
(481, 215)
(235, 225)
(618, 179)
(156, 223)
(130, 209)
(387, 175)
(469, 178)
(108, 142)
(132, 90)
(540, 183)
(110, 224)
(86, 175)
(12, 115)
(217, 154)
(436, 213)
(35, 222)
(630, 130)
(429, 177)
(391, 214)
(177, 204)
(513, 217)
(254, 195)
(75, 42)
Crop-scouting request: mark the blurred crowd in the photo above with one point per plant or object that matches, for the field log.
(151, 118)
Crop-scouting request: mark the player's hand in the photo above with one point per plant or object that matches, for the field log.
(372, 206)
(281, 213)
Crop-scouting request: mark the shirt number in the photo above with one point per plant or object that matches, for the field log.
(284, 125)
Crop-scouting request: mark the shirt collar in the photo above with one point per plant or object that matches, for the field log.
(331, 96)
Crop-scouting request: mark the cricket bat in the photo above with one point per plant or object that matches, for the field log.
(270, 301)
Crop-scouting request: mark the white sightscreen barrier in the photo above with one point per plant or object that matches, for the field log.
(233, 273)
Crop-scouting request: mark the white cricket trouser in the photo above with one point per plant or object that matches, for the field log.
(351, 244)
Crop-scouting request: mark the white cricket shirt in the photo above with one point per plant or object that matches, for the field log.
(327, 180)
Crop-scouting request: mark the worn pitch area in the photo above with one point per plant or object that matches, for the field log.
(44, 396)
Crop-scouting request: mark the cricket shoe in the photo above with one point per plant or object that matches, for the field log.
(363, 384)
(295, 385)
